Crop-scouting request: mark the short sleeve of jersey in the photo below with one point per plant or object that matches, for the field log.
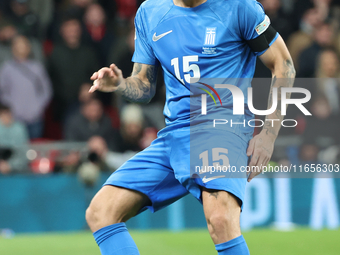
(143, 51)
(253, 21)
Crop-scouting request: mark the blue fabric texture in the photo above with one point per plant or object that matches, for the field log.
(236, 246)
(115, 240)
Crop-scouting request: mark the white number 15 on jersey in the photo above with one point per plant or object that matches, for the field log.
(187, 67)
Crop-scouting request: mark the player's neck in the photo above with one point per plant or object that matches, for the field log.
(188, 3)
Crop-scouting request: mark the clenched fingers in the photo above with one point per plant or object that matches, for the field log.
(94, 87)
(105, 71)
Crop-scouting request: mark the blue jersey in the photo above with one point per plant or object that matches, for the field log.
(193, 44)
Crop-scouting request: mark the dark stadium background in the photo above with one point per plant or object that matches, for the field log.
(58, 143)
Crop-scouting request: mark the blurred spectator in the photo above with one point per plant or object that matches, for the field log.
(324, 7)
(121, 52)
(70, 64)
(132, 122)
(98, 150)
(91, 121)
(83, 4)
(149, 134)
(110, 7)
(24, 19)
(77, 8)
(322, 127)
(108, 159)
(25, 87)
(7, 32)
(66, 8)
(324, 37)
(328, 64)
(69, 163)
(83, 97)
(98, 147)
(97, 32)
(328, 84)
(126, 8)
(89, 174)
(303, 38)
(2, 8)
(100, 158)
(309, 153)
(44, 10)
(277, 17)
(12, 135)
(153, 111)
(300, 8)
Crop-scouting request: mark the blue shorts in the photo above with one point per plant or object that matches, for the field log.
(173, 166)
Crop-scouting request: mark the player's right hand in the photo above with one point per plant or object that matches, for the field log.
(107, 79)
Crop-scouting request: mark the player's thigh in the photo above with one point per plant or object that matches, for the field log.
(146, 181)
(220, 202)
(116, 204)
(222, 211)
(150, 173)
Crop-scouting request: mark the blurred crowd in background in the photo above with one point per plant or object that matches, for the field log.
(50, 48)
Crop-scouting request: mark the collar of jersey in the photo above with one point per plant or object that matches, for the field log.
(190, 9)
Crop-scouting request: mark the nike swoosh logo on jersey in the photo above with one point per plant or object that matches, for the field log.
(155, 37)
(205, 179)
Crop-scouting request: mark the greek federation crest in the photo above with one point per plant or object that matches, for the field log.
(209, 41)
(210, 36)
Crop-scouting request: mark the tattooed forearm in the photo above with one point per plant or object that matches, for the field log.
(269, 129)
(289, 70)
(137, 89)
(151, 74)
(136, 69)
(286, 79)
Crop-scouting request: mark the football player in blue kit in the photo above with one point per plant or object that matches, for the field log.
(190, 40)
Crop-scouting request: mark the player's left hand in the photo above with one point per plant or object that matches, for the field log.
(261, 149)
(107, 79)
